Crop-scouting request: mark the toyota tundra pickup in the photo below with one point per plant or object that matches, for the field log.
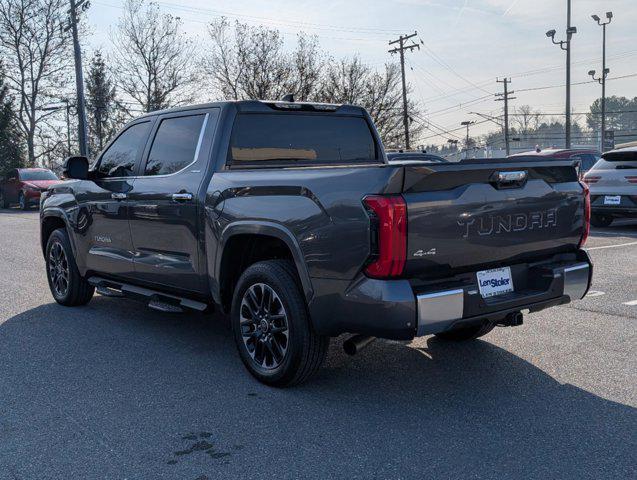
(289, 217)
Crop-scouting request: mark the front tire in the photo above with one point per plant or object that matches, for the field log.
(66, 284)
(466, 333)
(272, 328)
(601, 221)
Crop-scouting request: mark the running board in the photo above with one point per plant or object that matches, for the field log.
(160, 301)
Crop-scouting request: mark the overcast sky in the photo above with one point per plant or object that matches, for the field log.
(467, 44)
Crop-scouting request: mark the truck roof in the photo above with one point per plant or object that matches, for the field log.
(256, 106)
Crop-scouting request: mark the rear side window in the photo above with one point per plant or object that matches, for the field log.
(291, 139)
(175, 145)
(120, 157)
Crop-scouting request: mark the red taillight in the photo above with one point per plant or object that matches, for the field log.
(587, 214)
(591, 179)
(632, 178)
(389, 216)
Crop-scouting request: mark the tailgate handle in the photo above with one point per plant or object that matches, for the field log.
(514, 179)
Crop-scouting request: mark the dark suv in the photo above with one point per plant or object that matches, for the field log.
(289, 217)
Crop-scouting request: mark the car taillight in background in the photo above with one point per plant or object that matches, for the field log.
(591, 179)
(632, 178)
(587, 214)
(388, 216)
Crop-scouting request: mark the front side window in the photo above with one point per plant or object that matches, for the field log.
(288, 139)
(175, 145)
(120, 157)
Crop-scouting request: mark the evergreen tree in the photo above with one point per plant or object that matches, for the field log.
(102, 108)
(11, 152)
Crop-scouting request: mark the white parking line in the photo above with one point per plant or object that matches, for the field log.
(631, 303)
(594, 293)
(613, 246)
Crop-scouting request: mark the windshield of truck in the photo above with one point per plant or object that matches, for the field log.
(298, 139)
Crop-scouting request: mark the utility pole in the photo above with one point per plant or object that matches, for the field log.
(401, 50)
(505, 97)
(566, 46)
(605, 71)
(467, 123)
(79, 76)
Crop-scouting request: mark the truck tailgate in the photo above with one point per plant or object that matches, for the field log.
(477, 215)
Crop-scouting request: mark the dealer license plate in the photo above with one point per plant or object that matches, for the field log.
(612, 199)
(495, 281)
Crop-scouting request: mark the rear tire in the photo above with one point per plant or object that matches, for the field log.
(22, 200)
(601, 221)
(4, 202)
(66, 284)
(466, 333)
(272, 328)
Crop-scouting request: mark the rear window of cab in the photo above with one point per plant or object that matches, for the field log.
(271, 139)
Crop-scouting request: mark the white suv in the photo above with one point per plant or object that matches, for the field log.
(613, 185)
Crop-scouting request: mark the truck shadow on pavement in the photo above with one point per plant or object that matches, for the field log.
(113, 390)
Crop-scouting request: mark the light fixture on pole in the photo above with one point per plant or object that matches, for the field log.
(602, 78)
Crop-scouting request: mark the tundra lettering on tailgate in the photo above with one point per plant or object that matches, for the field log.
(485, 225)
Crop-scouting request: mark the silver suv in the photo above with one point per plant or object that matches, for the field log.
(613, 185)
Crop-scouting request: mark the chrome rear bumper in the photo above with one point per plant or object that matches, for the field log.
(441, 310)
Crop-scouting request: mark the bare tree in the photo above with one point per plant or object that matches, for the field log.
(154, 58)
(525, 119)
(248, 62)
(37, 58)
(351, 81)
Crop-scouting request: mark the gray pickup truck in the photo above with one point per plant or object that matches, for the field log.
(289, 217)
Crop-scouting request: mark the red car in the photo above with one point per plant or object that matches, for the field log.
(586, 157)
(24, 186)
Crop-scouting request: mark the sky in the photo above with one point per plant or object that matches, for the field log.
(466, 45)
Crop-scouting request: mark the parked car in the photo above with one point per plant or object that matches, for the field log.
(414, 156)
(585, 157)
(613, 186)
(24, 186)
(289, 217)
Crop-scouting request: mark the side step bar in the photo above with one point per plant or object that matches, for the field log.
(160, 301)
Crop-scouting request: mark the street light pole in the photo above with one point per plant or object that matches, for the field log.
(467, 123)
(602, 79)
(566, 46)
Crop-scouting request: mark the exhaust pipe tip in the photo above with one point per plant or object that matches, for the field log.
(356, 343)
(515, 319)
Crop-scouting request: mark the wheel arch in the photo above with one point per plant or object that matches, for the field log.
(241, 238)
(50, 221)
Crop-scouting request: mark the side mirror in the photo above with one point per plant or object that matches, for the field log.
(76, 167)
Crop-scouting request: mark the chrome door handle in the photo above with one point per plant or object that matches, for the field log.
(182, 197)
(119, 196)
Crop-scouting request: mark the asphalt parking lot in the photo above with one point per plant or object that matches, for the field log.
(116, 391)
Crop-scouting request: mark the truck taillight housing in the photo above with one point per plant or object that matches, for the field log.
(587, 214)
(388, 216)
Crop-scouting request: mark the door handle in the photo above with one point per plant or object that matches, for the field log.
(119, 196)
(182, 197)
